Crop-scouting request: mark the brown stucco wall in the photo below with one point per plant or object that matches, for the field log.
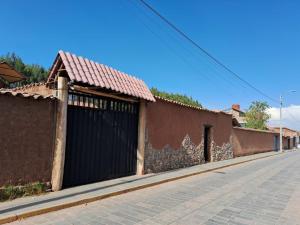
(248, 141)
(174, 135)
(26, 139)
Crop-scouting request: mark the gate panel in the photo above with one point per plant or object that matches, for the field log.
(101, 139)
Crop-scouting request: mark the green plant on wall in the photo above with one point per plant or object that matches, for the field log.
(176, 97)
(256, 116)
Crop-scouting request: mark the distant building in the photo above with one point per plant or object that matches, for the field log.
(291, 136)
(237, 114)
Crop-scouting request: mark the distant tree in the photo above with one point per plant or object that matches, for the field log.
(33, 72)
(176, 97)
(256, 116)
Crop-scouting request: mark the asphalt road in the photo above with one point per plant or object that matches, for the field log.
(265, 191)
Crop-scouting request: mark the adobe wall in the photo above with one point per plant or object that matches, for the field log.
(174, 136)
(27, 129)
(250, 141)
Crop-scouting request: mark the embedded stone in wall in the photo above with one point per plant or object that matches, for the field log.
(189, 154)
(158, 160)
(223, 152)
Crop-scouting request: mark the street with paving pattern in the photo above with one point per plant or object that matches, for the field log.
(264, 191)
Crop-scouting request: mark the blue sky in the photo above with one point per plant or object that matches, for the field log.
(259, 40)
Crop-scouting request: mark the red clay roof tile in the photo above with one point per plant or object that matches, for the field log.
(25, 95)
(86, 71)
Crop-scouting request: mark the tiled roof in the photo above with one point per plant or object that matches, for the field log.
(34, 89)
(286, 128)
(287, 132)
(25, 95)
(88, 72)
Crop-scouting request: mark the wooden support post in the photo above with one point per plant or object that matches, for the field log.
(141, 138)
(61, 132)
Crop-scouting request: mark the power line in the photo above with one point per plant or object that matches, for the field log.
(204, 51)
(218, 74)
(291, 115)
(184, 60)
(285, 111)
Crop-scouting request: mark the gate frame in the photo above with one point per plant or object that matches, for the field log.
(141, 138)
(61, 134)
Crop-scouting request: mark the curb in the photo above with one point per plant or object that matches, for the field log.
(37, 212)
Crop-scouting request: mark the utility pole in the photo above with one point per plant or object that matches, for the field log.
(280, 121)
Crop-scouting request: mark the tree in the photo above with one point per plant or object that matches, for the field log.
(256, 116)
(33, 72)
(176, 97)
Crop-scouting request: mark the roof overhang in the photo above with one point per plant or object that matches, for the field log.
(9, 74)
(96, 76)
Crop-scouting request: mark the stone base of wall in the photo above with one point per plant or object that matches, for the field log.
(167, 158)
(223, 152)
(189, 154)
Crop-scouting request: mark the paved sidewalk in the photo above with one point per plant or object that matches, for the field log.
(29, 206)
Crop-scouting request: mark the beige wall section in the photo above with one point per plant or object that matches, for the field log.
(141, 138)
(36, 88)
(61, 132)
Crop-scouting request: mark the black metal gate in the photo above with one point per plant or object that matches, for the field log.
(101, 139)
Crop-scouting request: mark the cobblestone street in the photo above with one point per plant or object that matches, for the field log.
(265, 191)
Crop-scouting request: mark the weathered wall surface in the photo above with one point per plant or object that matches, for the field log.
(36, 88)
(250, 141)
(174, 136)
(27, 129)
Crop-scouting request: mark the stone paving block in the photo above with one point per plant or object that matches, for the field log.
(215, 222)
(253, 193)
(231, 222)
